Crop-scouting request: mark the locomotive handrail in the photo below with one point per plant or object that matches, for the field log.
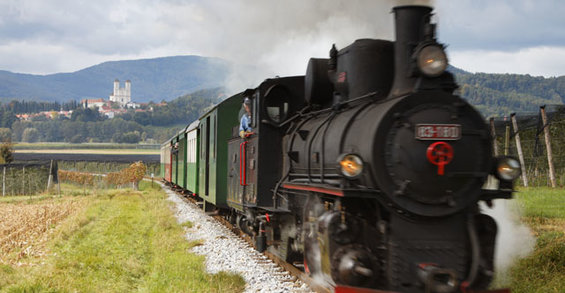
(242, 165)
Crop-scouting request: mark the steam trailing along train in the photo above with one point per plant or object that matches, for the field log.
(367, 171)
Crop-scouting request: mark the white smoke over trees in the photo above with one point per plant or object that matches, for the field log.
(276, 38)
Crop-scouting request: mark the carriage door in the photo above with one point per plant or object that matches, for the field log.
(207, 157)
(204, 168)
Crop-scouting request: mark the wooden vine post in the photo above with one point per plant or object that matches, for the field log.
(548, 147)
(507, 140)
(493, 136)
(519, 149)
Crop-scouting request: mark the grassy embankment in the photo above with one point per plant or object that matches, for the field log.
(118, 241)
(543, 210)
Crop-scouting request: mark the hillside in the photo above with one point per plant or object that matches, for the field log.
(171, 77)
(502, 94)
(152, 79)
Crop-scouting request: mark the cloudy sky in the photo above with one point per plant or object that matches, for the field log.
(50, 36)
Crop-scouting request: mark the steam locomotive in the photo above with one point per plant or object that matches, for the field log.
(367, 171)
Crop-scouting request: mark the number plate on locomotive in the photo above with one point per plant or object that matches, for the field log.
(438, 131)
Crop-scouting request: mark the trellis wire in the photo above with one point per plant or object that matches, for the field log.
(531, 131)
(27, 179)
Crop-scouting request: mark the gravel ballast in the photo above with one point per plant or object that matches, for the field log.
(224, 251)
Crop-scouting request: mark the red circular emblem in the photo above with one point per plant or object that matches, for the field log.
(440, 154)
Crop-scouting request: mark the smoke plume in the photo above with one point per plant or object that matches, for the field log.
(266, 39)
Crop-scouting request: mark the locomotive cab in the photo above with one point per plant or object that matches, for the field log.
(250, 181)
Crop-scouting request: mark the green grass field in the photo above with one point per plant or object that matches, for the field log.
(543, 210)
(60, 145)
(129, 241)
(123, 241)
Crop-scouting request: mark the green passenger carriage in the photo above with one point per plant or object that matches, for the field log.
(216, 126)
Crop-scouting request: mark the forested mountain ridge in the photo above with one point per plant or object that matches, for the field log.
(154, 79)
(170, 77)
(503, 94)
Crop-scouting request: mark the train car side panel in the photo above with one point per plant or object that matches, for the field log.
(203, 167)
(235, 166)
(212, 159)
(215, 130)
(174, 161)
(227, 119)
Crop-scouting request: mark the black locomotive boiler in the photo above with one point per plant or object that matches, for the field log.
(368, 171)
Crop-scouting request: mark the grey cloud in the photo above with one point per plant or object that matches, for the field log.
(501, 24)
(98, 27)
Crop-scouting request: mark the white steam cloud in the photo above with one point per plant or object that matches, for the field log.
(514, 239)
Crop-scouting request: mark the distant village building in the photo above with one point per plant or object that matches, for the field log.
(47, 114)
(93, 103)
(133, 105)
(122, 96)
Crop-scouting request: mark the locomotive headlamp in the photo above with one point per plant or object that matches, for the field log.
(508, 168)
(351, 165)
(432, 60)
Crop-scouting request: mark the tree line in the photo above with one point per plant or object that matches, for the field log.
(89, 125)
(21, 107)
(502, 94)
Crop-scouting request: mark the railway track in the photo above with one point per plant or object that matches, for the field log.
(263, 272)
(289, 268)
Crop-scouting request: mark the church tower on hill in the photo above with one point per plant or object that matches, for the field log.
(121, 95)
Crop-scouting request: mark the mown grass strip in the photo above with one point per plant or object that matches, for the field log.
(542, 202)
(543, 209)
(127, 241)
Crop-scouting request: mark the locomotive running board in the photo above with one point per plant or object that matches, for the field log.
(360, 193)
(337, 192)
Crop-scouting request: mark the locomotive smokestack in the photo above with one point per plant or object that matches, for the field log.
(411, 24)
